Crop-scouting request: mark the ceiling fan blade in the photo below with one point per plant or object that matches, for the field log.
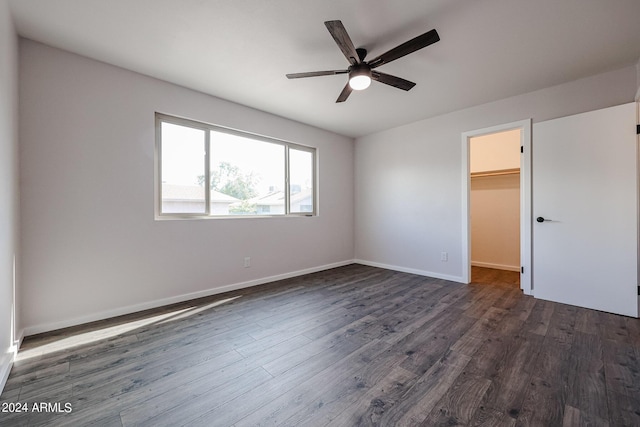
(390, 80)
(339, 34)
(345, 93)
(316, 74)
(406, 48)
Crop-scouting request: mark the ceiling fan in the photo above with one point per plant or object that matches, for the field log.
(361, 72)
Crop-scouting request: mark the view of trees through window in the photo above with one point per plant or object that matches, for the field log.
(247, 174)
(228, 179)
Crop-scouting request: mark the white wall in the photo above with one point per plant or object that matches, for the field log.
(8, 184)
(91, 247)
(496, 151)
(495, 221)
(409, 179)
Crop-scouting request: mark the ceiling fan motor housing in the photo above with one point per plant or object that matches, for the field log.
(362, 69)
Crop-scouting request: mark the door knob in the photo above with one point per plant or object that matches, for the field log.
(541, 219)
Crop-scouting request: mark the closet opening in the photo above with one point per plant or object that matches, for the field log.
(494, 203)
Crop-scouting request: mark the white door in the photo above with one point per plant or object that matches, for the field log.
(585, 186)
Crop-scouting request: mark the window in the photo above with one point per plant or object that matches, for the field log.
(205, 170)
(301, 180)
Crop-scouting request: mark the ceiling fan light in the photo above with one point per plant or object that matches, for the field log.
(359, 82)
(360, 76)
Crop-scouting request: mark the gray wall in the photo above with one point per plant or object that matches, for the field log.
(91, 246)
(409, 179)
(8, 183)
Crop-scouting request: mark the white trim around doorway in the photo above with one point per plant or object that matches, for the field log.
(526, 282)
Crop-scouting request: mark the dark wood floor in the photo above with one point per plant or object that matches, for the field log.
(352, 346)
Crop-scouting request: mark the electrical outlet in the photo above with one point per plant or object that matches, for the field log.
(444, 256)
(247, 262)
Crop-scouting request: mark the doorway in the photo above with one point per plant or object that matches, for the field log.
(497, 200)
(494, 203)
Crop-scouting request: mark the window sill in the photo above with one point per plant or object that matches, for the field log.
(171, 217)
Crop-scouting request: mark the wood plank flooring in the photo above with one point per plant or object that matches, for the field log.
(352, 346)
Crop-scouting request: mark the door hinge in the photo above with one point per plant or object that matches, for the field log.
(638, 290)
(522, 270)
(522, 149)
(637, 129)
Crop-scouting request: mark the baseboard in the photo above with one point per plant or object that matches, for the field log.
(6, 362)
(495, 266)
(47, 327)
(18, 342)
(410, 270)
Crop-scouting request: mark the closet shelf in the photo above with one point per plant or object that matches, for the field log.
(496, 172)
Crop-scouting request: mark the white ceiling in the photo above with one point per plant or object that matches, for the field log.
(240, 50)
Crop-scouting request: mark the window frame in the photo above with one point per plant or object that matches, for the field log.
(208, 129)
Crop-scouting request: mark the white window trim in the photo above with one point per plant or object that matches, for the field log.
(166, 118)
